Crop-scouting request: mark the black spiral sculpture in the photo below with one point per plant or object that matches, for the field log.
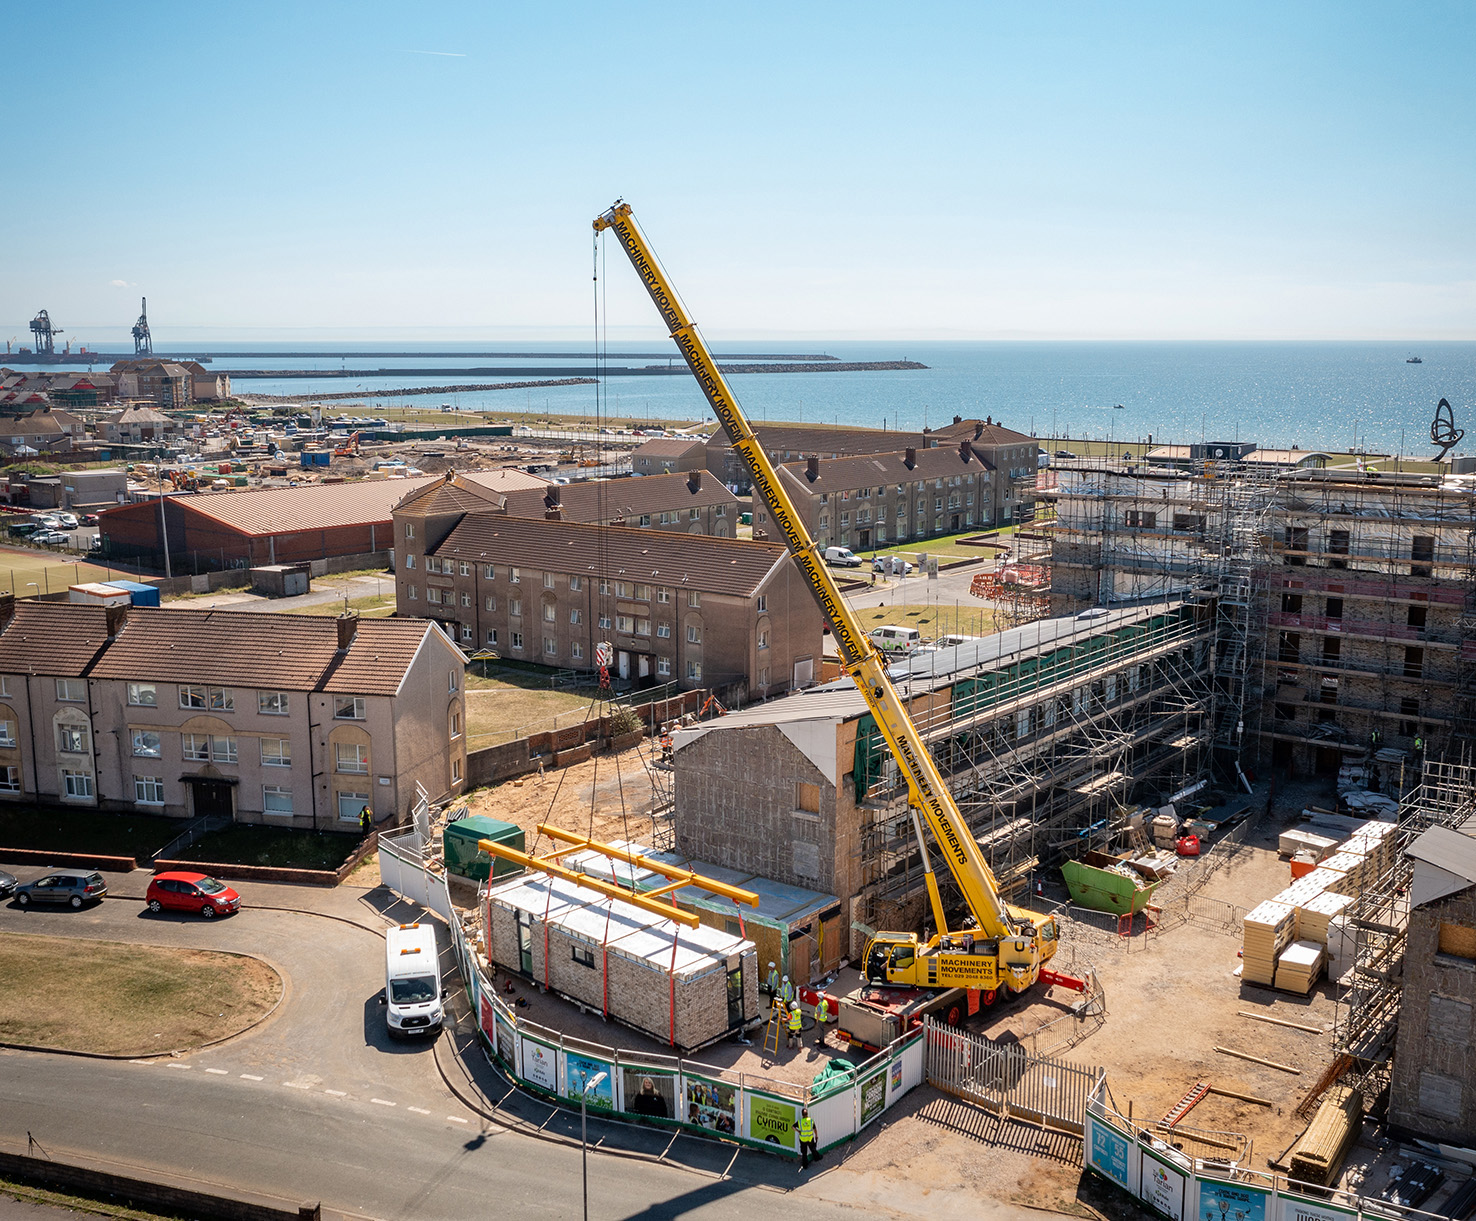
(1443, 430)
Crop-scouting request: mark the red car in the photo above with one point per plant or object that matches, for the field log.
(191, 892)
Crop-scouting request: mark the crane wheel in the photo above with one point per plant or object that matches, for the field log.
(954, 1014)
(989, 995)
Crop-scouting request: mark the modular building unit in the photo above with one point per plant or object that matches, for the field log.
(95, 593)
(686, 987)
(143, 595)
(799, 930)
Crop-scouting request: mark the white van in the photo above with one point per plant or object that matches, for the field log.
(413, 999)
(842, 557)
(896, 639)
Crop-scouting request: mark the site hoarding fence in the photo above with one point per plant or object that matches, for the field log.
(1177, 1185)
(670, 1091)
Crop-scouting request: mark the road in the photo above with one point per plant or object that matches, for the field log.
(317, 1104)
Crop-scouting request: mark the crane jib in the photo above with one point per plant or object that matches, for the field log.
(633, 248)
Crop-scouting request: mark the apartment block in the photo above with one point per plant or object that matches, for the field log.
(290, 720)
(692, 502)
(725, 614)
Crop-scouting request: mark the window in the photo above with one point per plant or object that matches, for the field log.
(1334, 608)
(694, 598)
(643, 627)
(576, 584)
(5, 685)
(1291, 604)
(605, 622)
(276, 752)
(222, 750)
(413, 592)
(409, 531)
(491, 635)
(10, 780)
(694, 633)
(576, 650)
(1142, 519)
(1416, 618)
(143, 695)
(466, 597)
(694, 669)
(466, 631)
(351, 757)
(148, 790)
(663, 594)
(720, 511)
(489, 572)
(146, 744)
(643, 593)
(195, 746)
(455, 724)
(517, 641)
(1409, 707)
(693, 514)
(217, 699)
(583, 955)
(453, 681)
(464, 568)
(550, 613)
(576, 615)
(276, 800)
(271, 703)
(456, 770)
(72, 739)
(77, 784)
(763, 603)
(663, 665)
(763, 638)
(548, 580)
(663, 631)
(491, 602)
(410, 562)
(515, 607)
(351, 805)
(1414, 662)
(644, 519)
(604, 588)
(625, 623)
(7, 733)
(515, 575)
(432, 564)
(71, 690)
(348, 708)
(622, 589)
(550, 646)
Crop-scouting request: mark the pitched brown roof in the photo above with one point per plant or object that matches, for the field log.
(876, 470)
(243, 649)
(319, 506)
(989, 434)
(802, 440)
(59, 639)
(612, 499)
(712, 565)
(667, 447)
(445, 496)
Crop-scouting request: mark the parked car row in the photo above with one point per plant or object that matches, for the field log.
(76, 888)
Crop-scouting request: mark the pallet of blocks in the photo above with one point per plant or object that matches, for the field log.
(1316, 914)
(1298, 967)
(1269, 929)
(1318, 1156)
(1357, 870)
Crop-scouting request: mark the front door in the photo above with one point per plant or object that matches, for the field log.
(735, 996)
(525, 943)
(213, 797)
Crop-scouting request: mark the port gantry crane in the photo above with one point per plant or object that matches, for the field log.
(1008, 946)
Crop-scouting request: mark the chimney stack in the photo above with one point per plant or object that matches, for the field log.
(552, 497)
(115, 617)
(555, 513)
(812, 468)
(348, 628)
(7, 610)
(978, 431)
(910, 460)
(694, 481)
(958, 419)
(966, 450)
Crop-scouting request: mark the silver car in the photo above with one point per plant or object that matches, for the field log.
(72, 887)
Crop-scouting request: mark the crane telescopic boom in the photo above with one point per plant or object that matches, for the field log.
(927, 791)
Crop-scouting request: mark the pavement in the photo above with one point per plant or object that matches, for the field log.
(316, 1103)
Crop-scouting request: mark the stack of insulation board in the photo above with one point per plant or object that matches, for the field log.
(1306, 888)
(1295, 841)
(1357, 870)
(1298, 966)
(1268, 929)
(1314, 916)
(1376, 841)
(1318, 1156)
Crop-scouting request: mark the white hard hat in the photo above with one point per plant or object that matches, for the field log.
(786, 979)
(773, 964)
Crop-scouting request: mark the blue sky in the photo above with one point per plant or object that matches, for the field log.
(980, 170)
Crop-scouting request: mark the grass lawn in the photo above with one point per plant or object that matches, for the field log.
(29, 1194)
(50, 572)
(509, 705)
(946, 547)
(105, 996)
(62, 830)
(372, 607)
(932, 621)
(278, 847)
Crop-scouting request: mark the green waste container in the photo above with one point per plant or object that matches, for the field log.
(466, 860)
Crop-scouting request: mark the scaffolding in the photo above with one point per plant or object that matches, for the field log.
(1369, 989)
(1045, 750)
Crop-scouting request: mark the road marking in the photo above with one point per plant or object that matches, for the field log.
(336, 1093)
(250, 1077)
(419, 1110)
(455, 1119)
(220, 1072)
(381, 1102)
(140, 1061)
(296, 1085)
(171, 1064)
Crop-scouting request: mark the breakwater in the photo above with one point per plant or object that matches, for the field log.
(838, 366)
(467, 388)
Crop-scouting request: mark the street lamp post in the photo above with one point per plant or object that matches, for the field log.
(592, 1084)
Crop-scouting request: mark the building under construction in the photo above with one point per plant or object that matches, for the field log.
(1344, 598)
(1047, 733)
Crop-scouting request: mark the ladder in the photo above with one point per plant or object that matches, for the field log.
(777, 1017)
(1186, 1104)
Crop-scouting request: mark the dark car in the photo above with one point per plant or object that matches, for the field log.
(71, 886)
(191, 892)
(8, 883)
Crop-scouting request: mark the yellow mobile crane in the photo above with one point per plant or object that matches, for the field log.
(1007, 946)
